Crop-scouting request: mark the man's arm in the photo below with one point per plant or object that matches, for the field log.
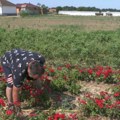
(15, 94)
(16, 100)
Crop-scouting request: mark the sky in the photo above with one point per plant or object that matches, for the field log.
(114, 4)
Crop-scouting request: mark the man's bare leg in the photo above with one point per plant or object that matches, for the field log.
(9, 90)
(9, 95)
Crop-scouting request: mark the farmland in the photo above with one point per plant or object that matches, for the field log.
(82, 60)
(49, 22)
(89, 40)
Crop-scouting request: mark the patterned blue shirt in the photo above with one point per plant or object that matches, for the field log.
(17, 61)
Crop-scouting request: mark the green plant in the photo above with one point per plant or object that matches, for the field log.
(58, 85)
(24, 13)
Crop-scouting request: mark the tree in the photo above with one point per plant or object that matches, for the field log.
(43, 8)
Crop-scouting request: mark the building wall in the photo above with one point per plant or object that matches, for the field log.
(0, 10)
(79, 13)
(86, 13)
(9, 10)
(18, 10)
(115, 13)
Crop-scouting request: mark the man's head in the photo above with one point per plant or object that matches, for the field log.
(35, 70)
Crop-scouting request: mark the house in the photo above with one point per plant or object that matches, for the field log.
(32, 9)
(7, 8)
(52, 10)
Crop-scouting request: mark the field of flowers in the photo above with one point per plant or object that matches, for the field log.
(82, 70)
(47, 100)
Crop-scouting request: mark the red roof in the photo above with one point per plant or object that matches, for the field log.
(25, 5)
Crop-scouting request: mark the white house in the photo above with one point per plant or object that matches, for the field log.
(7, 8)
(89, 13)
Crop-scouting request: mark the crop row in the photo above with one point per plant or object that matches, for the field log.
(67, 44)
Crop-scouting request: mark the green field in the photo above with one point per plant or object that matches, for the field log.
(80, 40)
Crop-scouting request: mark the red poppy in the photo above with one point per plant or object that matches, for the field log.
(51, 70)
(68, 66)
(117, 94)
(58, 116)
(98, 73)
(59, 68)
(1, 69)
(2, 102)
(32, 114)
(90, 71)
(82, 101)
(17, 103)
(99, 102)
(9, 112)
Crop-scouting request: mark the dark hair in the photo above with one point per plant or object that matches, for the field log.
(36, 68)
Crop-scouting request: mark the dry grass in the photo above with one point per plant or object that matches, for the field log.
(49, 22)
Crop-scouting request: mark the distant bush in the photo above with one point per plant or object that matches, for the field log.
(24, 13)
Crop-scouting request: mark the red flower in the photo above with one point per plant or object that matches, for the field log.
(42, 77)
(117, 94)
(90, 71)
(9, 112)
(51, 70)
(73, 116)
(44, 66)
(117, 102)
(109, 106)
(68, 66)
(2, 102)
(65, 77)
(98, 73)
(50, 118)
(1, 69)
(107, 73)
(107, 98)
(103, 93)
(32, 114)
(100, 68)
(99, 102)
(82, 101)
(17, 103)
(58, 116)
(59, 68)
(88, 95)
(38, 92)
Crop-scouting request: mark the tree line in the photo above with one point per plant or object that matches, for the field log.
(72, 8)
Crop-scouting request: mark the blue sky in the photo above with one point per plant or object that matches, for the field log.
(77, 3)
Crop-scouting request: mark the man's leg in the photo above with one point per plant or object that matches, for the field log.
(9, 90)
(9, 95)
